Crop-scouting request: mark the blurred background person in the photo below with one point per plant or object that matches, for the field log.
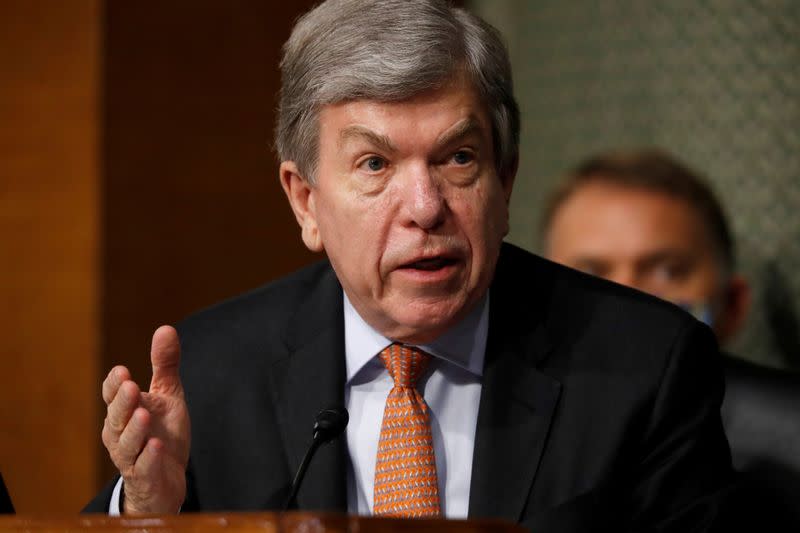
(683, 76)
(644, 219)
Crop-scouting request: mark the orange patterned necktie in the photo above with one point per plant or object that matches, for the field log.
(405, 472)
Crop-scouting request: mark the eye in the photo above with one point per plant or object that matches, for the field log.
(463, 157)
(590, 266)
(671, 272)
(374, 163)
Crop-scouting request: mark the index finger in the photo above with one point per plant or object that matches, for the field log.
(115, 378)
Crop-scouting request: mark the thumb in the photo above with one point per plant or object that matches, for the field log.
(165, 356)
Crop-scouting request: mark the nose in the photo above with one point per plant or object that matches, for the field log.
(423, 201)
(625, 276)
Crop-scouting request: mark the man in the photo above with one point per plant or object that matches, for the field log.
(644, 219)
(544, 396)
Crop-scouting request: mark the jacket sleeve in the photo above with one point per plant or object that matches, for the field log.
(100, 503)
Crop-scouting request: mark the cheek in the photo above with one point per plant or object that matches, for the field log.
(483, 217)
(495, 216)
(703, 284)
(353, 230)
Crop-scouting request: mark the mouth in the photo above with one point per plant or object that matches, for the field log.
(430, 264)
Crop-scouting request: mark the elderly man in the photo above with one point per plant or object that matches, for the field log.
(481, 381)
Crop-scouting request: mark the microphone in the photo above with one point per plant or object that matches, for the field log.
(328, 425)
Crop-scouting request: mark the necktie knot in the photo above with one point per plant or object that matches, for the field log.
(405, 364)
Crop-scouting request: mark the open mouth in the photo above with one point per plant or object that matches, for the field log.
(432, 263)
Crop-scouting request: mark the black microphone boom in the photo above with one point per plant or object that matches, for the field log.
(328, 425)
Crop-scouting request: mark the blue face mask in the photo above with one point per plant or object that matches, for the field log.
(700, 310)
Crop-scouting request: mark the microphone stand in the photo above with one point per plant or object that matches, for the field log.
(291, 501)
(328, 425)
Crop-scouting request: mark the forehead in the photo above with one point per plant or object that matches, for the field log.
(420, 117)
(601, 215)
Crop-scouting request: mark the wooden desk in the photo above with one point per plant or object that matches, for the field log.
(290, 522)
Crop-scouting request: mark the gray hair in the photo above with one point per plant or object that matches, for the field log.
(389, 51)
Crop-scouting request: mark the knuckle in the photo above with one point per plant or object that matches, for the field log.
(111, 379)
(105, 435)
(129, 477)
(116, 372)
(113, 383)
(136, 481)
(122, 391)
(114, 423)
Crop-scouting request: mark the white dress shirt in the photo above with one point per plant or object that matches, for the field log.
(451, 388)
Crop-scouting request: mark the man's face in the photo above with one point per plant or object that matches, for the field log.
(644, 239)
(408, 206)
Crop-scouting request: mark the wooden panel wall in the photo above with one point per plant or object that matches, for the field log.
(193, 210)
(49, 67)
(137, 184)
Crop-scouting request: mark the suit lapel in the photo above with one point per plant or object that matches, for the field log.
(310, 379)
(517, 401)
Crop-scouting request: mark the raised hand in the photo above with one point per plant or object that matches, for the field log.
(147, 433)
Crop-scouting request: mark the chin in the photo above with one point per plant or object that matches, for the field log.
(421, 324)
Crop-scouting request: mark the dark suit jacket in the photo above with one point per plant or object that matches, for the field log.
(6, 507)
(599, 408)
(761, 416)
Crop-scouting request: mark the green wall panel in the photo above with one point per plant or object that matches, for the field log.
(715, 82)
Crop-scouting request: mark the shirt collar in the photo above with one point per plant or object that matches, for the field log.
(464, 344)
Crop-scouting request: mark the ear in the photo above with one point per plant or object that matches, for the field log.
(300, 194)
(507, 179)
(507, 183)
(734, 308)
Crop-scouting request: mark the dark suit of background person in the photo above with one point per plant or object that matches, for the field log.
(642, 218)
(761, 416)
(599, 403)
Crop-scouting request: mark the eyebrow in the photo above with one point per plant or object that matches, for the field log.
(648, 259)
(463, 128)
(665, 254)
(360, 132)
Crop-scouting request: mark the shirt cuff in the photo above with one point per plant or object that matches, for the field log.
(116, 495)
(116, 500)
